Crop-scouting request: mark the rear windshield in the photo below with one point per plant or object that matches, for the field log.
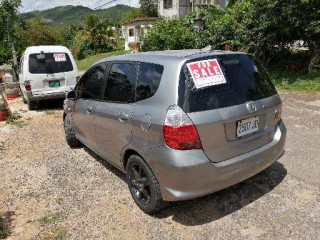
(242, 79)
(52, 63)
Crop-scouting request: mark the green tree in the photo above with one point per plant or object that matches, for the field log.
(37, 32)
(9, 22)
(131, 15)
(148, 8)
(94, 35)
(267, 28)
(174, 34)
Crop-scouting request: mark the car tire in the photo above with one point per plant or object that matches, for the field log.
(144, 186)
(72, 141)
(31, 106)
(2, 106)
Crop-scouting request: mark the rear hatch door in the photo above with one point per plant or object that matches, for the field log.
(50, 73)
(233, 113)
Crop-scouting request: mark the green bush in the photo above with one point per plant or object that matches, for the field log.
(174, 34)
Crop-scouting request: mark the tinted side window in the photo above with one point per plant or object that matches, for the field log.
(148, 81)
(91, 83)
(121, 83)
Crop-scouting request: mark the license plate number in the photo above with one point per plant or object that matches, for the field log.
(247, 126)
(54, 84)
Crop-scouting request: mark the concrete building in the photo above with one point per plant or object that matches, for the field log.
(170, 9)
(134, 32)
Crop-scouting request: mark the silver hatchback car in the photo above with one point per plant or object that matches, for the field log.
(180, 124)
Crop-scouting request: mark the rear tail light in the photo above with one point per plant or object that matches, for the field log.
(178, 130)
(27, 85)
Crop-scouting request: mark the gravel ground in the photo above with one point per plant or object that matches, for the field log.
(48, 191)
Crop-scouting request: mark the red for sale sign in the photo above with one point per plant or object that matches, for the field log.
(206, 73)
(60, 57)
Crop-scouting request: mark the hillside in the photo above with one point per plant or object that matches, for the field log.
(73, 14)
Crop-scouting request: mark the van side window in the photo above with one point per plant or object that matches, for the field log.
(91, 83)
(148, 81)
(121, 83)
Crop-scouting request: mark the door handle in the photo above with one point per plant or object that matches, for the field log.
(123, 117)
(89, 109)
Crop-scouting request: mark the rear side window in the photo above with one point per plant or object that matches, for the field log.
(91, 83)
(121, 82)
(245, 79)
(52, 63)
(148, 81)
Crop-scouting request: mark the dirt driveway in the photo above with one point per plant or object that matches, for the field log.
(48, 191)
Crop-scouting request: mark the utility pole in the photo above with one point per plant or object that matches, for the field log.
(14, 53)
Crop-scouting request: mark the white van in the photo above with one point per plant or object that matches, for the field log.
(46, 72)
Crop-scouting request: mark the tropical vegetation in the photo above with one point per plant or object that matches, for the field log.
(267, 28)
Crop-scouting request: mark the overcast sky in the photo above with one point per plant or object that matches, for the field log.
(30, 5)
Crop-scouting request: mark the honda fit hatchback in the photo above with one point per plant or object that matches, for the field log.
(180, 124)
(46, 72)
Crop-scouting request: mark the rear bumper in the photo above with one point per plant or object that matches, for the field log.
(46, 96)
(190, 174)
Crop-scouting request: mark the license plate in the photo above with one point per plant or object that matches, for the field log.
(247, 126)
(54, 84)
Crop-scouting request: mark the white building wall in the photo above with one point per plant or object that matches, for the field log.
(181, 8)
(169, 13)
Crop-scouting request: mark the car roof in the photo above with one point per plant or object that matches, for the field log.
(168, 56)
(46, 48)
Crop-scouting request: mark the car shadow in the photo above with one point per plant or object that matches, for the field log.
(49, 105)
(106, 164)
(219, 204)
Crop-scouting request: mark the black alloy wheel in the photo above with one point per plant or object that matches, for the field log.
(143, 185)
(139, 184)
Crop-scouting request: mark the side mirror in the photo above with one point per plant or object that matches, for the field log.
(71, 95)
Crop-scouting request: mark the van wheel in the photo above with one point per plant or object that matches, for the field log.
(31, 106)
(72, 141)
(143, 185)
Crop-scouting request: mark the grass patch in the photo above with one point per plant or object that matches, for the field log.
(50, 112)
(59, 233)
(5, 224)
(14, 119)
(4, 230)
(296, 82)
(84, 64)
(51, 218)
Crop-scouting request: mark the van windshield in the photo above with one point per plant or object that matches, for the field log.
(51, 63)
(240, 78)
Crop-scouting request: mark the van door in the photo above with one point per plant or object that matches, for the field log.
(113, 115)
(88, 93)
